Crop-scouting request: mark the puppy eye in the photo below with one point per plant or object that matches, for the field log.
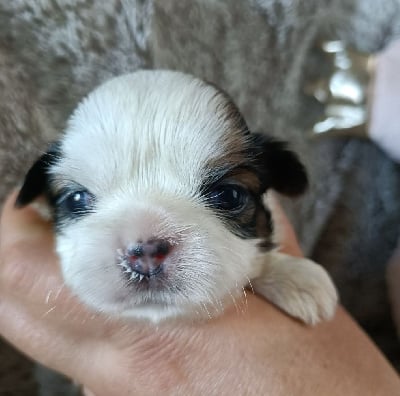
(230, 197)
(79, 202)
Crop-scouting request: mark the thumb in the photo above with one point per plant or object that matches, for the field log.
(20, 224)
(285, 234)
(27, 257)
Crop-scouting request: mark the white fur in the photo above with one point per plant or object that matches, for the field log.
(299, 286)
(140, 143)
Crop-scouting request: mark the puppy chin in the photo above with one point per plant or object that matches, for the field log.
(203, 268)
(156, 313)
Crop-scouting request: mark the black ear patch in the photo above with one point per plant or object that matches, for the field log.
(280, 168)
(37, 179)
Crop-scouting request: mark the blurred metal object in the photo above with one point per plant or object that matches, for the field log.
(342, 90)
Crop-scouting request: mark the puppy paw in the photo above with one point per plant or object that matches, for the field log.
(298, 286)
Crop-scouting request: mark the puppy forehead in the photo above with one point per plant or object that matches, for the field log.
(149, 125)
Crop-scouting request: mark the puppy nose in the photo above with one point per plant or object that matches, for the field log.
(146, 258)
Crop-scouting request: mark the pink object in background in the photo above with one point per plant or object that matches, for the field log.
(384, 130)
(393, 281)
(384, 125)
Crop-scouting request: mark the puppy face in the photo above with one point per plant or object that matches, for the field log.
(157, 192)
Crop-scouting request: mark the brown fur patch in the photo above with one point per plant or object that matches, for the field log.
(237, 166)
(245, 177)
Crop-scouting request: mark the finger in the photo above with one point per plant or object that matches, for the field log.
(42, 340)
(285, 234)
(20, 223)
(28, 264)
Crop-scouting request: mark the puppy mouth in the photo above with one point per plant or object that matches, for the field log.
(136, 275)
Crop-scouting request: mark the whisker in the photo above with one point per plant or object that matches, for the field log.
(48, 311)
(250, 284)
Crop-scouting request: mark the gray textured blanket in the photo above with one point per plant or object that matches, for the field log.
(52, 52)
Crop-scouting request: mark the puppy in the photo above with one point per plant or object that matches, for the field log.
(156, 191)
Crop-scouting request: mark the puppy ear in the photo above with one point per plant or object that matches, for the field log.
(280, 167)
(37, 179)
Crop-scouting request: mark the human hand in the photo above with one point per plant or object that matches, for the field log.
(252, 349)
